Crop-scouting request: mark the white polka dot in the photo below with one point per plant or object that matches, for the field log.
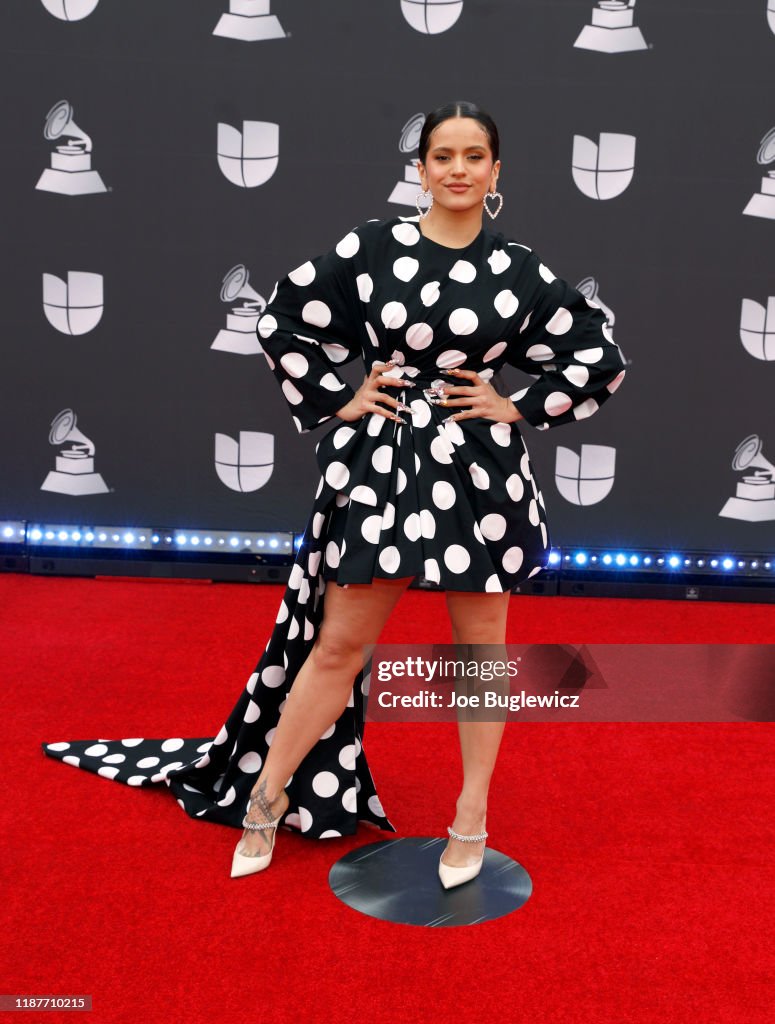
(400, 480)
(342, 436)
(588, 355)
(506, 303)
(512, 560)
(463, 321)
(452, 357)
(463, 271)
(514, 487)
(347, 757)
(365, 287)
(220, 739)
(412, 526)
(371, 527)
(614, 384)
(443, 494)
(606, 329)
(114, 758)
(169, 745)
(478, 533)
(273, 676)
(136, 780)
(390, 559)
(494, 352)
(249, 763)
(228, 798)
(419, 336)
(561, 322)
(57, 746)
(501, 434)
(429, 293)
(479, 476)
(337, 475)
(267, 325)
(303, 275)
(382, 459)
(388, 516)
(375, 424)
(372, 334)
(349, 245)
(316, 313)
(325, 784)
(441, 449)
(317, 523)
(406, 234)
(350, 799)
(365, 495)
(540, 353)
(586, 408)
(96, 750)
(375, 806)
(456, 558)
(557, 403)
(427, 524)
(313, 563)
(492, 585)
(421, 413)
(336, 353)
(524, 466)
(532, 512)
(206, 746)
(431, 570)
(405, 268)
(252, 712)
(294, 364)
(331, 382)
(108, 773)
(70, 759)
(544, 537)
(454, 432)
(332, 554)
(525, 323)
(499, 261)
(393, 315)
(493, 526)
(546, 273)
(578, 375)
(292, 393)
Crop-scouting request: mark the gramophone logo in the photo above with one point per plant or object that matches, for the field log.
(612, 29)
(431, 16)
(70, 10)
(73, 306)
(249, 157)
(589, 289)
(239, 334)
(74, 473)
(604, 169)
(247, 464)
(754, 500)
(771, 14)
(762, 204)
(405, 192)
(757, 329)
(71, 171)
(250, 21)
(587, 478)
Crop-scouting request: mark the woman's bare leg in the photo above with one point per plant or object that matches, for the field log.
(352, 618)
(475, 619)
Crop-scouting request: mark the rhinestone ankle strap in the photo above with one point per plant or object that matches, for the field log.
(467, 839)
(254, 826)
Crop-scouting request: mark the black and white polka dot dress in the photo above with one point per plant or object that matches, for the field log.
(456, 502)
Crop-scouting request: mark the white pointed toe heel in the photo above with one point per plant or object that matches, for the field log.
(451, 876)
(250, 864)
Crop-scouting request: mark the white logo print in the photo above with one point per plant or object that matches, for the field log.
(587, 478)
(612, 29)
(73, 306)
(249, 20)
(589, 289)
(757, 328)
(70, 10)
(754, 501)
(405, 192)
(247, 464)
(603, 170)
(763, 203)
(771, 14)
(239, 335)
(431, 16)
(74, 473)
(71, 172)
(249, 157)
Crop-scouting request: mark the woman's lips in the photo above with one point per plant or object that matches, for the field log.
(458, 188)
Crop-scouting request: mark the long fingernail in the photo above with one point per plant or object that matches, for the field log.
(405, 408)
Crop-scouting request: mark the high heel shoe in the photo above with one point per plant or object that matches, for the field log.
(250, 863)
(452, 876)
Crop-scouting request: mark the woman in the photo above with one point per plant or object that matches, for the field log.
(424, 472)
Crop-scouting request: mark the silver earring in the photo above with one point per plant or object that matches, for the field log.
(425, 197)
(493, 195)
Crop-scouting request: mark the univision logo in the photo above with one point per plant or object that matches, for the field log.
(771, 14)
(603, 169)
(70, 10)
(431, 16)
(247, 464)
(249, 157)
(757, 328)
(587, 478)
(73, 306)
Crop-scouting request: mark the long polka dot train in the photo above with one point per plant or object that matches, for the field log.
(456, 502)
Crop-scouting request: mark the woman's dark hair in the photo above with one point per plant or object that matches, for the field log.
(458, 109)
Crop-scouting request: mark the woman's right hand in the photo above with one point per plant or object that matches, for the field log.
(368, 396)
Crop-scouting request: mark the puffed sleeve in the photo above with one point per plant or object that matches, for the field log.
(564, 340)
(313, 323)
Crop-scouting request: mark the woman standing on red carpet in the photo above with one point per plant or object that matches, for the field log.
(423, 473)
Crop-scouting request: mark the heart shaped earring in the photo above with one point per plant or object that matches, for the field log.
(425, 196)
(493, 195)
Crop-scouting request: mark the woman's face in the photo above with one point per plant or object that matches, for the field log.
(459, 168)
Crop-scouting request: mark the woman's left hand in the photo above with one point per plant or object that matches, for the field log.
(481, 399)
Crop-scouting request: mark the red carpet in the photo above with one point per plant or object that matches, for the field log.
(650, 846)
